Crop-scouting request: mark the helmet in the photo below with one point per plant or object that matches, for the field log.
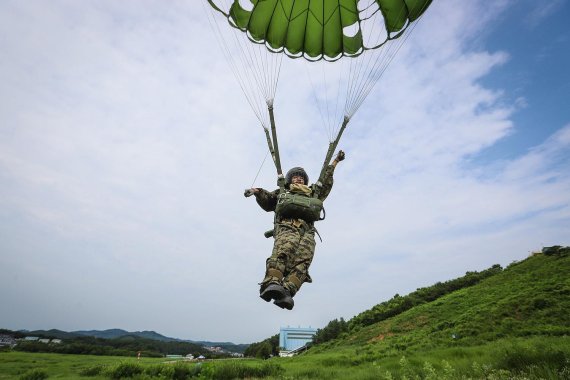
(296, 171)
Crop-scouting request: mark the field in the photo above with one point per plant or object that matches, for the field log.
(58, 366)
(521, 358)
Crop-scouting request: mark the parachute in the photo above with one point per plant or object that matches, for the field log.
(350, 41)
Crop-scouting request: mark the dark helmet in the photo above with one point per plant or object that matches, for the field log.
(296, 171)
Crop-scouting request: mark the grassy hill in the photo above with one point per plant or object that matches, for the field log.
(517, 318)
(528, 298)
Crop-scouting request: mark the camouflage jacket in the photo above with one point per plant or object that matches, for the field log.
(268, 200)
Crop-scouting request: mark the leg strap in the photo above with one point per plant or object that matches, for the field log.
(295, 281)
(272, 272)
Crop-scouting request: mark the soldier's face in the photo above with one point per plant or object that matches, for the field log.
(297, 179)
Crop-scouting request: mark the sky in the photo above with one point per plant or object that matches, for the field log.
(126, 144)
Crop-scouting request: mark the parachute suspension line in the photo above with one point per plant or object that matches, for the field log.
(243, 76)
(259, 66)
(256, 64)
(358, 68)
(381, 66)
(328, 113)
(338, 111)
(324, 85)
(335, 119)
(314, 88)
(259, 170)
(374, 68)
(363, 69)
(255, 67)
(257, 71)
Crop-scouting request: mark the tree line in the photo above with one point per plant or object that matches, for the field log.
(123, 346)
(264, 349)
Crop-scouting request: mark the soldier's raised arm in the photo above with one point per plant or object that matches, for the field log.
(328, 180)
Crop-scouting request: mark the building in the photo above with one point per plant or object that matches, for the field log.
(293, 338)
(7, 340)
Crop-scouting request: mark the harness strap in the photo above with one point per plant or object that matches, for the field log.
(295, 280)
(275, 273)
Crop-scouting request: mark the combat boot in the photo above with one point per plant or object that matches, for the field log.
(285, 302)
(273, 291)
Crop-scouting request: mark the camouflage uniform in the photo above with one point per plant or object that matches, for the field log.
(294, 244)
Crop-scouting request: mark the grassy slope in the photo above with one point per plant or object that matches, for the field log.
(531, 297)
(524, 309)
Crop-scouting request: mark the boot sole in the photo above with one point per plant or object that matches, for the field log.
(285, 305)
(271, 294)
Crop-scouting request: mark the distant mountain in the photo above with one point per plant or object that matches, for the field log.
(53, 333)
(119, 333)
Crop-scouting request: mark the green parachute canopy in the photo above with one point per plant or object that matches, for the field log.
(317, 29)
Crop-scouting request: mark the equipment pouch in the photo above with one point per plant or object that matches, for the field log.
(296, 206)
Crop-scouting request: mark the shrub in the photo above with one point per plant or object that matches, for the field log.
(234, 370)
(94, 370)
(124, 370)
(177, 371)
(521, 358)
(160, 370)
(34, 374)
(183, 371)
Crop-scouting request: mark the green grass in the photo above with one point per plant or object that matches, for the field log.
(529, 358)
(548, 357)
(58, 366)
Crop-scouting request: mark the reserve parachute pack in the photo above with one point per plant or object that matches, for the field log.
(297, 206)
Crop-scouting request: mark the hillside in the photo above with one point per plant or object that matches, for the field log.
(510, 323)
(528, 298)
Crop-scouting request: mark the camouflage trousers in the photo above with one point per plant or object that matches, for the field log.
(292, 255)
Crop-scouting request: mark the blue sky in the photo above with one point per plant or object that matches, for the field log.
(536, 37)
(125, 146)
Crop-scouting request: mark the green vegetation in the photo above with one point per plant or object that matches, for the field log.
(264, 349)
(507, 324)
(123, 346)
(398, 304)
(34, 374)
(331, 331)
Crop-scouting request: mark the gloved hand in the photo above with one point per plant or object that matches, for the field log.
(249, 192)
(340, 155)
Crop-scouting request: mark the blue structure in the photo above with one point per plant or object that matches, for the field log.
(291, 338)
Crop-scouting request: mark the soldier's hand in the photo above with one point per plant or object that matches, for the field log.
(250, 192)
(340, 155)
